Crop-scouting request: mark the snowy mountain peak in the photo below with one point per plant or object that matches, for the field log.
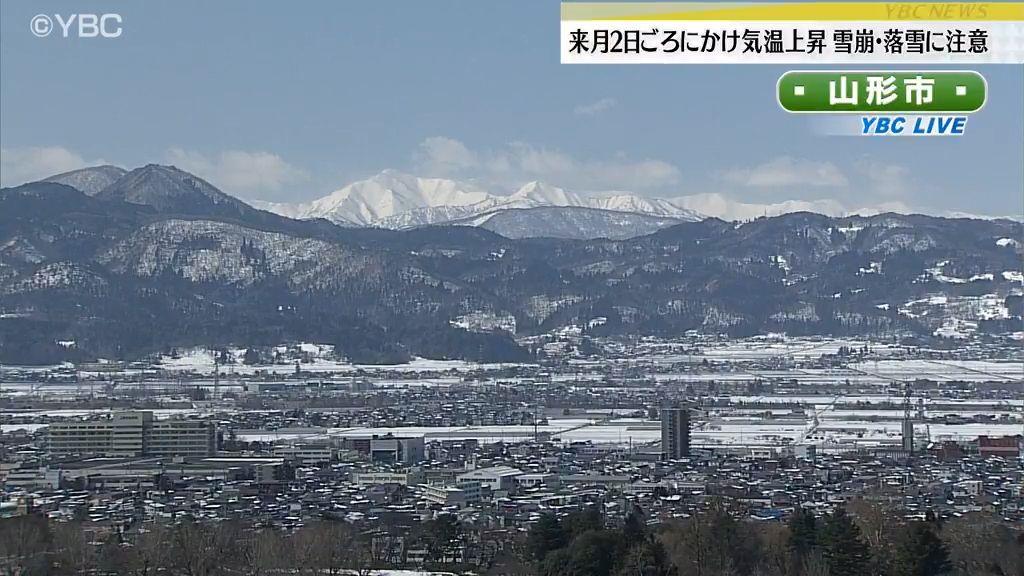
(389, 194)
(395, 199)
(92, 180)
(623, 202)
(540, 194)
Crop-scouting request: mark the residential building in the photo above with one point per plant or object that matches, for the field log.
(675, 432)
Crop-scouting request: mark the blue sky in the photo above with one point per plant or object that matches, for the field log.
(288, 101)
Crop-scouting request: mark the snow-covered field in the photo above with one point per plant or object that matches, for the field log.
(944, 370)
(314, 358)
(840, 428)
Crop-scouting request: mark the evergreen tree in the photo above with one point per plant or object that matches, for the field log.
(584, 520)
(251, 356)
(921, 552)
(803, 534)
(545, 536)
(845, 551)
(634, 529)
(593, 553)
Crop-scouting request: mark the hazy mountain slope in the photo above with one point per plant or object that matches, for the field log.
(168, 189)
(570, 222)
(92, 180)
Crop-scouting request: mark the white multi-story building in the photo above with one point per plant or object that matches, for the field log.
(305, 454)
(466, 494)
(133, 434)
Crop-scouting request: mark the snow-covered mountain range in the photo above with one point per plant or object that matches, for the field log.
(397, 200)
(161, 257)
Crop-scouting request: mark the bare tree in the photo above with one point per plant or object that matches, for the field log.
(814, 564)
(142, 553)
(328, 549)
(24, 543)
(257, 553)
(977, 545)
(73, 549)
(877, 525)
(197, 549)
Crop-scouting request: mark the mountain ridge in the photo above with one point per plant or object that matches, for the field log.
(91, 180)
(396, 200)
(124, 279)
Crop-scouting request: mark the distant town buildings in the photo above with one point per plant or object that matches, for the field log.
(386, 449)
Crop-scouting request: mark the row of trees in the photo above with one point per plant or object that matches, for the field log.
(872, 542)
(864, 541)
(31, 546)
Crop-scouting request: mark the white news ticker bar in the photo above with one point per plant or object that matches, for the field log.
(1005, 42)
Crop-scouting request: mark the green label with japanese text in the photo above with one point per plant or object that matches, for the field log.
(930, 92)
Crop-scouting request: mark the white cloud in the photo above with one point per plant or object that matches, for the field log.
(721, 206)
(248, 174)
(886, 180)
(788, 171)
(21, 165)
(447, 154)
(518, 162)
(594, 108)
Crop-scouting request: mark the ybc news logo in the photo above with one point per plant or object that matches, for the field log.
(903, 103)
(76, 25)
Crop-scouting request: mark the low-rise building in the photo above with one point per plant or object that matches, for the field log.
(466, 494)
(495, 478)
(381, 478)
(1008, 447)
(305, 454)
(538, 480)
(388, 449)
(33, 479)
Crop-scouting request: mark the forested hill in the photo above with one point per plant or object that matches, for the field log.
(131, 271)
